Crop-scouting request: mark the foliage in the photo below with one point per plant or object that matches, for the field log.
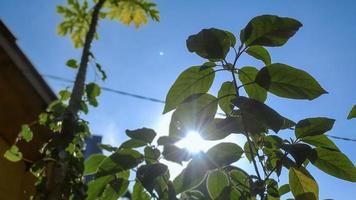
(213, 175)
(77, 16)
(207, 175)
(352, 113)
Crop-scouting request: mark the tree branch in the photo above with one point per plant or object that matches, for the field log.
(56, 184)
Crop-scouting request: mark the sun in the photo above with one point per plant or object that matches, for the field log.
(194, 143)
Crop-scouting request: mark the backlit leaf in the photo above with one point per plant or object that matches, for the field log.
(92, 91)
(13, 154)
(284, 189)
(164, 140)
(136, 12)
(300, 152)
(132, 143)
(269, 30)
(334, 163)
(224, 153)
(72, 63)
(193, 114)
(320, 141)
(192, 175)
(259, 53)
(259, 111)
(108, 187)
(139, 193)
(148, 174)
(92, 163)
(226, 94)
(232, 38)
(289, 82)
(175, 154)
(210, 43)
(26, 133)
(115, 189)
(248, 152)
(352, 113)
(119, 161)
(191, 81)
(302, 184)
(144, 134)
(216, 183)
(219, 128)
(247, 75)
(313, 126)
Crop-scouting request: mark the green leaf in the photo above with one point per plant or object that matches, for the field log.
(148, 174)
(269, 30)
(218, 128)
(352, 113)
(164, 140)
(136, 12)
(288, 123)
(191, 81)
(102, 72)
(289, 82)
(284, 189)
(320, 141)
(248, 152)
(144, 134)
(107, 147)
(334, 163)
(13, 154)
(272, 188)
(151, 154)
(194, 114)
(119, 161)
(139, 193)
(84, 107)
(240, 178)
(26, 133)
(260, 112)
(72, 63)
(210, 43)
(226, 94)
(247, 75)
(302, 184)
(192, 175)
(272, 141)
(97, 186)
(92, 90)
(259, 53)
(313, 126)
(300, 152)
(132, 143)
(195, 195)
(175, 154)
(216, 183)
(92, 163)
(232, 38)
(224, 153)
(64, 94)
(108, 187)
(230, 193)
(115, 189)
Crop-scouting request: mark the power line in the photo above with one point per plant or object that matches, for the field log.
(120, 92)
(109, 89)
(342, 138)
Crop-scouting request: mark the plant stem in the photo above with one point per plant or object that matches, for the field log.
(252, 157)
(270, 173)
(238, 54)
(56, 185)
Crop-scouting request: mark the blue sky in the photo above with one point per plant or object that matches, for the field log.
(325, 47)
